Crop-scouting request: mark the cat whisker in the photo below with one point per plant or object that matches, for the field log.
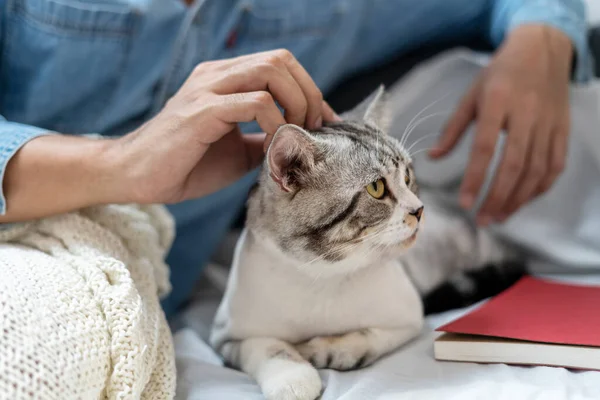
(420, 140)
(349, 246)
(420, 121)
(368, 253)
(386, 230)
(421, 150)
(320, 257)
(377, 146)
(408, 127)
(329, 252)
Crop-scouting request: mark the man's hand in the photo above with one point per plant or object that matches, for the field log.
(193, 147)
(524, 90)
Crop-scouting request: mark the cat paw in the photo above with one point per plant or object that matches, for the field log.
(297, 381)
(341, 353)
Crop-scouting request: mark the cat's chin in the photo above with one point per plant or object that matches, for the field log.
(410, 241)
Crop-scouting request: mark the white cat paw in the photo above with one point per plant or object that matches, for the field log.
(341, 353)
(297, 381)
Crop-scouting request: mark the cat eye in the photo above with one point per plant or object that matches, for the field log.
(406, 177)
(376, 189)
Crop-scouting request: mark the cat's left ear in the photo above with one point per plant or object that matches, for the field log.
(374, 110)
(290, 156)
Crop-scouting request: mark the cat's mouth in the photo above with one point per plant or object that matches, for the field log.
(390, 237)
(411, 239)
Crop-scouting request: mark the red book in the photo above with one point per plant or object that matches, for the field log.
(535, 322)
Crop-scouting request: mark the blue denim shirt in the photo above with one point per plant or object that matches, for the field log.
(105, 66)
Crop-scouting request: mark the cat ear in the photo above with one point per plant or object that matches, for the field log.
(290, 155)
(373, 110)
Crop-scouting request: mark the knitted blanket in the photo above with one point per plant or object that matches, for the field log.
(79, 306)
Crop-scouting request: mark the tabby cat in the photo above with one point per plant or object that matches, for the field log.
(338, 253)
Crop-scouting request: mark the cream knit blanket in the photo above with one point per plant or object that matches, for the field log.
(80, 316)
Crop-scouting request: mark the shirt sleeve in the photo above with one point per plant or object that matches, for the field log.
(569, 16)
(12, 137)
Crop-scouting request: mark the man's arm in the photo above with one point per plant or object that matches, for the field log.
(190, 149)
(45, 175)
(568, 16)
(523, 91)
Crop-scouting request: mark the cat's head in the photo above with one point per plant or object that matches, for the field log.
(344, 192)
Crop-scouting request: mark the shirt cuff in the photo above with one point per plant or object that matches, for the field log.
(567, 16)
(12, 137)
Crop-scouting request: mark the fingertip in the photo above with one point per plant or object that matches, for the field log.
(299, 121)
(502, 217)
(329, 114)
(484, 220)
(437, 152)
(544, 187)
(466, 200)
(267, 142)
(319, 122)
(446, 143)
(456, 127)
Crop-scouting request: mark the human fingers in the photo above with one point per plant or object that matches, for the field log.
(314, 97)
(535, 172)
(491, 116)
(268, 74)
(512, 172)
(284, 59)
(458, 123)
(246, 107)
(328, 114)
(558, 154)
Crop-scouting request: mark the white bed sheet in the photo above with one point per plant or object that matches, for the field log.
(409, 373)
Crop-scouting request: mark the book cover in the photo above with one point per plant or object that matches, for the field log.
(537, 310)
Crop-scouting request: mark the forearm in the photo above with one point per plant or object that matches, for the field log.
(566, 16)
(530, 38)
(55, 174)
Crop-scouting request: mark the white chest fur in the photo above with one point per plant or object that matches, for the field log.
(268, 296)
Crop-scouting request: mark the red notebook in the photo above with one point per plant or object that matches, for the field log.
(535, 322)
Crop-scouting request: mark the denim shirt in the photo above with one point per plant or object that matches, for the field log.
(106, 66)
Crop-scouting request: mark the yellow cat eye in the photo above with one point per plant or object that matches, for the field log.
(406, 177)
(376, 189)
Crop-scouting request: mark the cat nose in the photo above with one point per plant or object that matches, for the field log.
(417, 212)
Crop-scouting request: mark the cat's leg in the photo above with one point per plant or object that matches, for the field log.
(355, 349)
(279, 369)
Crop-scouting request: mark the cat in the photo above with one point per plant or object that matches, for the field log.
(336, 257)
